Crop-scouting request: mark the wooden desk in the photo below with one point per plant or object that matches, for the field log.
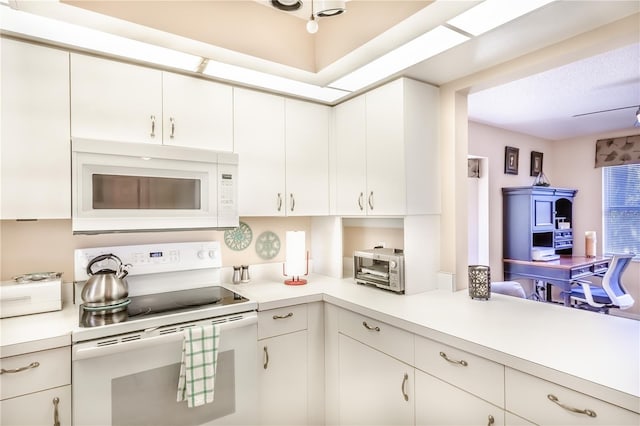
(560, 273)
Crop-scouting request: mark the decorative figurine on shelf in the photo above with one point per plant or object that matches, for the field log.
(541, 180)
(479, 282)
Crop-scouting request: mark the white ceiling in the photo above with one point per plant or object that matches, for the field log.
(541, 104)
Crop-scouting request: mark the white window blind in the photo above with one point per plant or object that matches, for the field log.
(621, 204)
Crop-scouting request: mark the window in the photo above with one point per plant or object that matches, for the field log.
(621, 203)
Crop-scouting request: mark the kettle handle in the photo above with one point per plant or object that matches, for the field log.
(99, 258)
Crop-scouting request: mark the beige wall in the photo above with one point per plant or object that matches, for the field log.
(47, 245)
(567, 164)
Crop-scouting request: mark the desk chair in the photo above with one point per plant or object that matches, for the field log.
(510, 288)
(610, 294)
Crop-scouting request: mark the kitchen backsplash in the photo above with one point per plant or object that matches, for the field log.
(48, 245)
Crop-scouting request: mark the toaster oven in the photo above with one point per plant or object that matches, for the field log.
(380, 267)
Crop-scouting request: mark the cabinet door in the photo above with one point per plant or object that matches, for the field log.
(38, 408)
(373, 386)
(350, 157)
(439, 403)
(35, 161)
(543, 213)
(307, 158)
(386, 190)
(115, 101)
(197, 113)
(282, 379)
(259, 142)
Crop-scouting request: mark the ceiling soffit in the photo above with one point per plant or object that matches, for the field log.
(248, 27)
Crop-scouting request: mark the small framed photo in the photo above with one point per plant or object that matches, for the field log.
(536, 163)
(511, 160)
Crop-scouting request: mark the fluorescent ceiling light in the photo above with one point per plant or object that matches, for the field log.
(417, 50)
(492, 13)
(273, 82)
(85, 38)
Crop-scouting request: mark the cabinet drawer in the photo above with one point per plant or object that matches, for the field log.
(472, 373)
(37, 408)
(44, 370)
(529, 397)
(275, 322)
(379, 335)
(439, 403)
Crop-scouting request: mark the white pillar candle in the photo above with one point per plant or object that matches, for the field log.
(296, 259)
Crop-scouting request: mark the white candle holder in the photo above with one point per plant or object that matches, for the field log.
(479, 282)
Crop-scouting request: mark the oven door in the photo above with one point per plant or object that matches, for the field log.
(133, 380)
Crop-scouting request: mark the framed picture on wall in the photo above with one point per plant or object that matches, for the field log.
(511, 160)
(536, 163)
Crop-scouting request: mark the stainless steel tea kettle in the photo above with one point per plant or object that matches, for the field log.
(106, 287)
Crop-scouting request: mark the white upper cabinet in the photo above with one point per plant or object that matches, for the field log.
(197, 113)
(283, 146)
(116, 101)
(259, 142)
(350, 157)
(307, 158)
(387, 157)
(35, 161)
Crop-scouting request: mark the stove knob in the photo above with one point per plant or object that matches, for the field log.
(212, 254)
(202, 254)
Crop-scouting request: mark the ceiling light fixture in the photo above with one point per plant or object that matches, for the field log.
(312, 24)
(328, 8)
(287, 5)
(417, 50)
(492, 13)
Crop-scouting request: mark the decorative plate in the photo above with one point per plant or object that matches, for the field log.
(268, 245)
(239, 238)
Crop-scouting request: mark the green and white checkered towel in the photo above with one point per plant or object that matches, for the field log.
(198, 367)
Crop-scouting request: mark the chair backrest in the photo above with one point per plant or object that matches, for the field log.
(612, 281)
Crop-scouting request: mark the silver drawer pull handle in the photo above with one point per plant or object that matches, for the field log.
(491, 420)
(266, 358)
(56, 418)
(453, 361)
(153, 126)
(277, 317)
(403, 387)
(368, 327)
(17, 370)
(586, 411)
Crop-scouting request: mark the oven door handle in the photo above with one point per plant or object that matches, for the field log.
(80, 351)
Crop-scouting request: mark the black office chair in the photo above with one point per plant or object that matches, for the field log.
(610, 293)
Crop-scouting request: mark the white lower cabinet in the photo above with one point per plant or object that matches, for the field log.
(282, 378)
(439, 403)
(547, 403)
(374, 388)
(291, 365)
(40, 408)
(36, 388)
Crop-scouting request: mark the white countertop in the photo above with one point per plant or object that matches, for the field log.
(594, 353)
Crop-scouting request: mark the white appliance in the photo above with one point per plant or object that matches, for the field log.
(544, 254)
(126, 363)
(125, 187)
(31, 294)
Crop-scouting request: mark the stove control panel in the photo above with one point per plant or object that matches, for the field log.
(151, 258)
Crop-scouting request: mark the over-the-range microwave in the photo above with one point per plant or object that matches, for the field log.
(134, 187)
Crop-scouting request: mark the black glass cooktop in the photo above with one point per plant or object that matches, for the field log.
(149, 305)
